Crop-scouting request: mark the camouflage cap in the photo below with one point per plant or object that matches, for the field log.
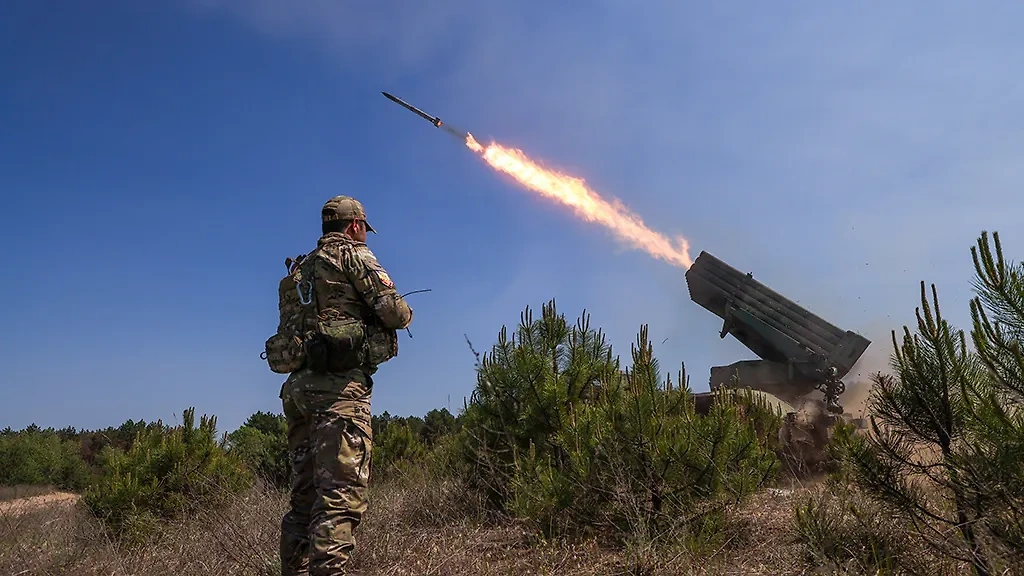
(344, 208)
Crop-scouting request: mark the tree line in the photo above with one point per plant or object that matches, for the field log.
(70, 458)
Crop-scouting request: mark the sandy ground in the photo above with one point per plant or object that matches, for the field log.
(23, 505)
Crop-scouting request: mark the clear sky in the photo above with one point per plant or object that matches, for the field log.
(158, 161)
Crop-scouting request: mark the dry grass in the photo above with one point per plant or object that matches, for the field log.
(67, 540)
(8, 493)
(25, 505)
(428, 527)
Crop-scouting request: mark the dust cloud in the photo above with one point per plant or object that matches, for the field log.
(858, 381)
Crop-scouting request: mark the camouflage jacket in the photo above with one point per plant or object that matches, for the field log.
(350, 283)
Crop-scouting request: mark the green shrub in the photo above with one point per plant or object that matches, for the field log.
(556, 433)
(405, 446)
(838, 530)
(525, 387)
(121, 437)
(167, 474)
(396, 445)
(948, 429)
(38, 457)
(437, 424)
(262, 443)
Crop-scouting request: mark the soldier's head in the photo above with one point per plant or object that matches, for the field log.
(346, 215)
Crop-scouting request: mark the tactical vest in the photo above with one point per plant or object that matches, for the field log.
(323, 342)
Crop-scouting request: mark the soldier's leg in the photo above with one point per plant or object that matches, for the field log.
(295, 544)
(342, 462)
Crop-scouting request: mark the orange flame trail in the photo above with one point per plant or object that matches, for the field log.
(587, 204)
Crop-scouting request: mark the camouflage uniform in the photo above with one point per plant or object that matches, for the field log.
(328, 415)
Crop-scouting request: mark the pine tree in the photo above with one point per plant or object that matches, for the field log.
(526, 386)
(167, 473)
(558, 434)
(945, 453)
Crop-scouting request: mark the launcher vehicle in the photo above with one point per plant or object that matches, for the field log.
(800, 352)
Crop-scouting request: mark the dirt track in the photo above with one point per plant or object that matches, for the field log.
(22, 505)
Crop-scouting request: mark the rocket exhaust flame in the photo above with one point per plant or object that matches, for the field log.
(587, 204)
(572, 192)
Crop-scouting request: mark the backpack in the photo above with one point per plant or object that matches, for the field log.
(304, 340)
(296, 303)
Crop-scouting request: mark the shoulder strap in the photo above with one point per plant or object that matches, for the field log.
(307, 287)
(292, 263)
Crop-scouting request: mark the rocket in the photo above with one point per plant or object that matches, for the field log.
(432, 119)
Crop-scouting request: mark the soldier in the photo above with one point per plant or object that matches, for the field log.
(327, 400)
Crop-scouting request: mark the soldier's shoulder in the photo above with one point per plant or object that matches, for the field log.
(367, 264)
(361, 254)
(337, 252)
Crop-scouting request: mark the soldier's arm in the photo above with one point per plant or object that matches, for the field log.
(376, 287)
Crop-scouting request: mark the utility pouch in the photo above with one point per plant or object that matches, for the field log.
(284, 354)
(381, 346)
(317, 355)
(343, 342)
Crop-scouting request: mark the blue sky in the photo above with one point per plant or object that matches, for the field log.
(158, 161)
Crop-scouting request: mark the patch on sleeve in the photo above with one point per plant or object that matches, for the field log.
(384, 278)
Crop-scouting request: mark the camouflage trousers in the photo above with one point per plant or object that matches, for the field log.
(329, 442)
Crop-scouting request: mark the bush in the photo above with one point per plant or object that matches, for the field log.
(396, 445)
(262, 443)
(556, 433)
(402, 444)
(168, 473)
(438, 424)
(38, 457)
(947, 427)
(93, 442)
(839, 530)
